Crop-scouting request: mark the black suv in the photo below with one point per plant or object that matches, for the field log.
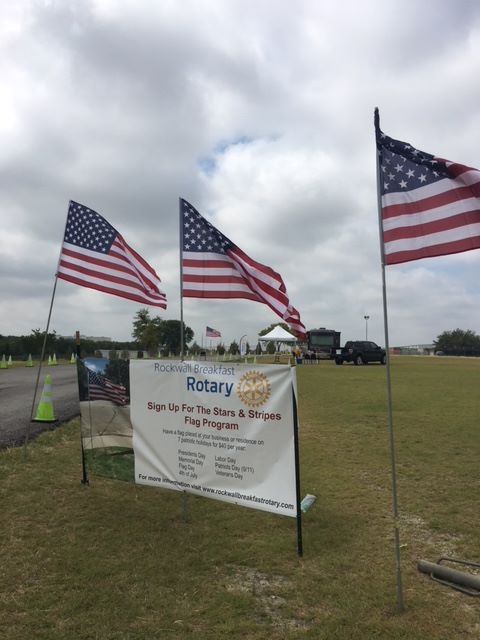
(360, 352)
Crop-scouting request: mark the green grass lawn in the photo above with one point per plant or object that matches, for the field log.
(118, 561)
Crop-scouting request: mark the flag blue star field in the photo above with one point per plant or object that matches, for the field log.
(213, 267)
(430, 206)
(96, 256)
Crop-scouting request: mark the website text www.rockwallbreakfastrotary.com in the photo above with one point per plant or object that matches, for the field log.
(221, 492)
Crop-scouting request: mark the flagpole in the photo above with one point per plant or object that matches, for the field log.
(27, 430)
(400, 603)
(181, 276)
(182, 337)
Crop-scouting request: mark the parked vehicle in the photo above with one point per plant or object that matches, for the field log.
(361, 352)
(323, 343)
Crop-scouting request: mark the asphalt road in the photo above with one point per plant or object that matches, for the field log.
(17, 387)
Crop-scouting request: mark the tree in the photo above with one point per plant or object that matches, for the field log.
(147, 331)
(233, 348)
(458, 342)
(171, 336)
(141, 321)
(271, 348)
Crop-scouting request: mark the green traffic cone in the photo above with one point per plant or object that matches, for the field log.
(45, 407)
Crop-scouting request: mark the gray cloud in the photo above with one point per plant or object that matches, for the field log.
(260, 114)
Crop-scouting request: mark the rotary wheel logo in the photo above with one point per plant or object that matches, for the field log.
(253, 389)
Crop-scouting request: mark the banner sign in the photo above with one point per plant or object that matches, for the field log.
(223, 431)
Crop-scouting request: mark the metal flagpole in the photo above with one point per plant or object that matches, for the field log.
(181, 277)
(180, 218)
(27, 431)
(389, 387)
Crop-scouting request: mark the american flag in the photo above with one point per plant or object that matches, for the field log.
(100, 388)
(430, 206)
(212, 333)
(213, 267)
(95, 255)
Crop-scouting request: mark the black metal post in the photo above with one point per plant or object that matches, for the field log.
(297, 476)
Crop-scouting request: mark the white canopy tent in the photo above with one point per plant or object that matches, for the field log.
(279, 336)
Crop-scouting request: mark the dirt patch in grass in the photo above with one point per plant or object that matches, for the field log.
(414, 528)
(271, 596)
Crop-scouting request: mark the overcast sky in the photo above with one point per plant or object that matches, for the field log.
(259, 113)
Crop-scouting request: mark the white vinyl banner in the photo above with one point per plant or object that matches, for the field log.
(223, 431)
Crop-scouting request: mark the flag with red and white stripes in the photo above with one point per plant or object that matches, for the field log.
(430, 206)
(214, 267)
(212, 333)
(101, 388)
(96, 256)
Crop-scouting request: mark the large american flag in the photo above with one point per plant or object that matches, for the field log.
(95, 255)
(430, 206)
(212, 333)
(100, 388)
(213, 267)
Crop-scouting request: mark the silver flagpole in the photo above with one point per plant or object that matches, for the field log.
(389, 386)
(27, 431)
(42, 355)
(181, 278)
(184, 493)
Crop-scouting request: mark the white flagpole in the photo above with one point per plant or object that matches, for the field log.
(389, 388)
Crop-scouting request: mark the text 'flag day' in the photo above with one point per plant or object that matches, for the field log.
(95, 255)
(430, 206)
(213, 267)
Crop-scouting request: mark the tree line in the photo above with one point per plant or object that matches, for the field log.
(20, 347)
(155, 336)
(458, 342)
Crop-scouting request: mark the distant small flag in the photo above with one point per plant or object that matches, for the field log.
(100, 388)
(214, 267)
(96, 256)
(213, 333)
(430, 206)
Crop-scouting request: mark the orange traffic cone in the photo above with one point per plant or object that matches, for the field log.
(45, 407)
